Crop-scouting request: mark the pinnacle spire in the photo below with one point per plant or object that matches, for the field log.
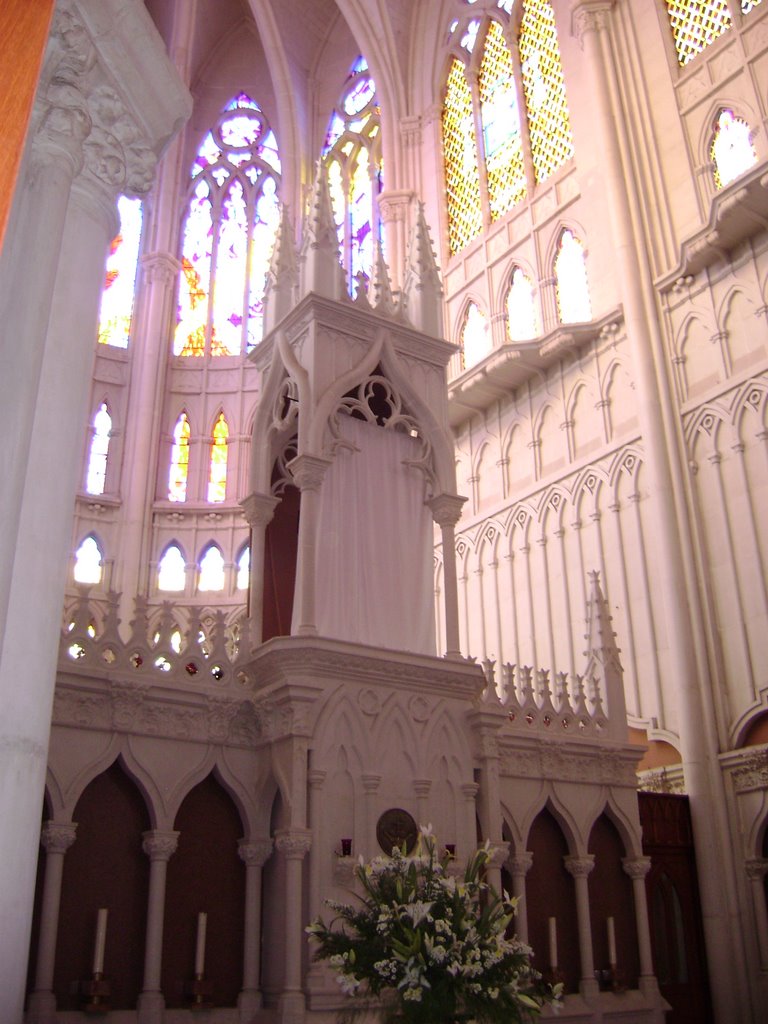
(380, 288)
(319, 267)
(422, 290)
(603, 657)
(283, 274)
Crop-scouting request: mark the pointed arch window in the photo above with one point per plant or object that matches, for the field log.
(696, 24)
(211, 569)
(522, 324)
(571, 288)
(475, 336)
(96, 477)
(217, 474)
(89, 562)
(732, 152)
(512, 130)
(177, 479)
(116, 310)
(228, 236)
(244, 568)
(171, 570)
(352, 154)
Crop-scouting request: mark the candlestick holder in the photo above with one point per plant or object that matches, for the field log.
(95, 993)
(200, 993)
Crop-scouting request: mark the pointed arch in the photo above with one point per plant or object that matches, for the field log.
(519, 305)
(89, 561)
(211, 569)
(172, 569)
(217, 469)
(101, 433)
(569, 269)
(178, 475)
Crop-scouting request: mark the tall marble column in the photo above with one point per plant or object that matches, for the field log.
(293, 844)
(637, 868)
(518, 867)
(446, 512)
(579, 868)
(259, 510)
(159, 846)
(308, 472)
(254, 854)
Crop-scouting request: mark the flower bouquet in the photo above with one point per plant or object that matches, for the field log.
(430, 948)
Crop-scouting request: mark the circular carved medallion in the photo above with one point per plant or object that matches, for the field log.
(394, 828)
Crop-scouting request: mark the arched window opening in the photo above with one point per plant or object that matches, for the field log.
(731, 152)
(88, 562)
(352, 153)
(228, 236)
(177, 480)
(211, 569)
(244, 568)
(571, 286)
(171, 570)
(500, 117)
(696, 24)
(462, 178)
(522, 324)
(96, 477)
(217, 476)
(116, 312)
(475, 336)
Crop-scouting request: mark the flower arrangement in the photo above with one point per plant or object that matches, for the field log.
(432, 948)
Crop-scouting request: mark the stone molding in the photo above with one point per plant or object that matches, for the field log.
(159, 845)
(294, 844)
(57, 837)
(521, 864)
(579, 867)
(255, 853)
(636, 867)
(751, 772)
(756, 868)
(570, 763)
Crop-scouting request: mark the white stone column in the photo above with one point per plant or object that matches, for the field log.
(446, 512)
(56, 839)
(393, 211)
(421, 788)
(637, 868)
(518, 867)
(371, 782)
(756, 872)
(258, 509)
(467, 840)
(159, 846)
(308, 472)
(579, 868)
(293, 844)
(254, 855)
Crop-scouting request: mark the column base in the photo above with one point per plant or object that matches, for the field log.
(248, 1004)
(291, 1008)
(150, 1008)
(589, 989)
(42, 1008)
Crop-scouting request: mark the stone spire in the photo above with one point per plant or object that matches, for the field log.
(283, 275)
(422, 290)
(603, 663)
(319, 268)
(380, 288)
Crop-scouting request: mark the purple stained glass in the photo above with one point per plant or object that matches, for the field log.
(207, 155)
(359, 96)
(241, 132)
(265, 226)
(231, 261)
(192, 313)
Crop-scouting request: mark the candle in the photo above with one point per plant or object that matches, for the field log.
(101, 938)
(202, 923)
(611, 942)
(553, 942)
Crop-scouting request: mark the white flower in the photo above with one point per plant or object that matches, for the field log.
(348, 983)
(418, 911)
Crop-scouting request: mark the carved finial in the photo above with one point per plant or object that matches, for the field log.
(320, 270)
(603, 661)
(422, 291)
(283, 274)
(381, 286)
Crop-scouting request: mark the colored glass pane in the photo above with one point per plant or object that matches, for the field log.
(97, 459)
(571, 286)
(116, 309)
(171, 570)
(211, 570)
(244, 569)
(462, 180)
(177, 479)
(361, 217)
(196, 254)
(88, 562)
(231, 265)
(469, 38)
(544, 87)
(265, 224)
(695, 24)
(749, 5)
(732, 151)
(475, 336)
(501, 124)
(217, 476)
(521, 308)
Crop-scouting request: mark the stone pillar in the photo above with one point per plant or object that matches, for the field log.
(308, 472)
(254, 855)
(579, 868)
(56, 839)
(258, 510)
(467, 839)
(422, 788)
(756, 872)
(371, 782)
(446, 512)
(519, 867)
(637, 868)
(159, 847)
(293, 844)
(393, 210)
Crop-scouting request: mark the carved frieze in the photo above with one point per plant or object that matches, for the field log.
(752, 772)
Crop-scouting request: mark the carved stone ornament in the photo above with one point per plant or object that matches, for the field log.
(756, 868)
(579, 867)
(57, 837)
(590, 17)
(520, 865)
(294, 844)
(752, 773)
(636, 867)
(159, 845)
(394, 828)
(255, 853)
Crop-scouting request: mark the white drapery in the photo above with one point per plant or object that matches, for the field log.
(375, 539)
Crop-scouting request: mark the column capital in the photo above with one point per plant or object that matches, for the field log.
(259, 509)
(57, 837)
(254, 852)
(422, 786)
(294, 843)
(316, 777)
(590, 16)
(446, 508)
(159, 845)
(371, 781)
(756, 868)
(637, 867)
(520, 864)
(579, 867)
(394, 204)
(498, 854)
(469, 790)
(162, 267)
(308, 471)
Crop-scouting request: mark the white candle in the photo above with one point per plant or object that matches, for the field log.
(101, 938)
(553, 942)
(202, 923)
(611, 942)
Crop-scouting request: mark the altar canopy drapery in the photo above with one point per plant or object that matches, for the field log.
(375, 541)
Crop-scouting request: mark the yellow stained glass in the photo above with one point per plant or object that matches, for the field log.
(217, 477)
(177, 479)
(695, 24)
(462, 180)
(748, 5)
(548, 123)
(501, 124)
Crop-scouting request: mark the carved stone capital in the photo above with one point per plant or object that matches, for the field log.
(751, 772)
(636, 867)
(159, 845)
(259, 509)
(590, 16)
(294, 844)
(308, 471)
(756, 868)
(371, 781)
(498, 853)
(446, 509)
(160, 267)
(393, 205)
(57, 837)
(579, 867)
(520, 865)
(254, 853)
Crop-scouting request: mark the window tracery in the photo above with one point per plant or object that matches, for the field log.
(211, 569)
(217, 474)
(571, 286)
(116, 310)
(228, 234)
(732, 152)
(97, 459)
(179, 472)
(171, 569)
(89, 562)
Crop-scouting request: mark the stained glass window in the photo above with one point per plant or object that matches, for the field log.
(695, 24)
(217, 476)
(352, 153)
(571, 286)
(211, 569)
(244, 568)
(116, 310)
(501, 124)
(97, 459)
(749, 5)
(228, 235)
(88, 562)
(732, 151)
(177, 479)
(475, 336)
(171, 569)
(521, 308)
(462, 178)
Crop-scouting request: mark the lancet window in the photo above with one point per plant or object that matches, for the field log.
(696, 24)
(179, 473)
(88, 562)
(244, 568)
(571, 287)
(171, 569)
(731, 151)
(96, 477)
(475, 336)
(352, 153)
(522, 323)
(211, 569)
(505, 116)
(229, 231)
(217, 473)
(116, 311)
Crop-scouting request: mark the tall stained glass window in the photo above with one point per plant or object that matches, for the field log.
(229, 231)
(571, 286)
(177, 478)
(217, 475)
(475, 336)
(732, 151)
(352, 152)
(695, 24)
(97, 459)
(513, 131)
(116, 311)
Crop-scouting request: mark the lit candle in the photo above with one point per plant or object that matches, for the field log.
(202, 923)
(101, 938)
(611, 942)
(553, 942)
